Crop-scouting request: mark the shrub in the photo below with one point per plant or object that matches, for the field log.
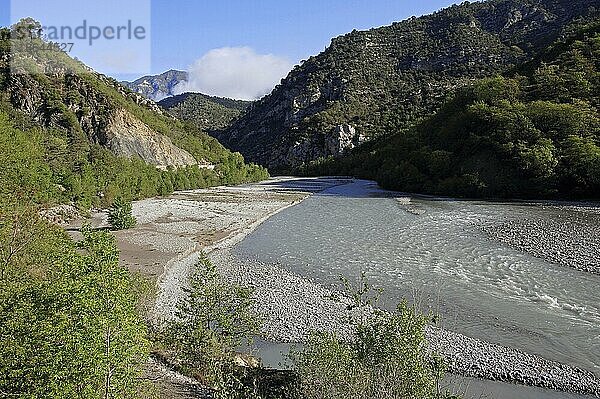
(386, 358)
(69, 325)
(119, 215)
(213, 320)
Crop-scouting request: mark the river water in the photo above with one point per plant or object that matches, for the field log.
(434, 252)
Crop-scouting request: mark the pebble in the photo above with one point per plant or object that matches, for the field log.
(569, 237)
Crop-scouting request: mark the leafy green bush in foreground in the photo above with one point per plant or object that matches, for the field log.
(69, 326)
(387, 358)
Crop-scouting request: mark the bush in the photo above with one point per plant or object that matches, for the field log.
(119, 215)
(212, 322)
(386, 358)
(69, 325)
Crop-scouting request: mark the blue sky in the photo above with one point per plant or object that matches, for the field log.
(183, 31)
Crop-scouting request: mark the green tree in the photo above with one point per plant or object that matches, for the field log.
(213, 320)
(580, 168)
(115, 332)
(69, 327)
(120, 216)
(386, 357)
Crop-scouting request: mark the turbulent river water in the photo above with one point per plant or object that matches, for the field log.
(435, 252)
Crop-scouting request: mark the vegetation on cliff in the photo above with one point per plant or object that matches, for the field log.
(68, 134)
(534, 132)
(384, 80)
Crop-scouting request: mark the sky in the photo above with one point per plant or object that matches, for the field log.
(249, 44)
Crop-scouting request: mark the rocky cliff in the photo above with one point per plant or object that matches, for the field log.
(101, 119)
(60, 93)
(370, 83)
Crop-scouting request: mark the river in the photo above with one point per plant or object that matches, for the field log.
(434, 252)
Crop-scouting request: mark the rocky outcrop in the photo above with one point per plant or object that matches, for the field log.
(80, 105)
(129, 137)
(382, 80)
(344, 137)
(339, 140)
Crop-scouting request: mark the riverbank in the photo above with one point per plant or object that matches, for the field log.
(171, 231)
(292, 306)
(567, 238)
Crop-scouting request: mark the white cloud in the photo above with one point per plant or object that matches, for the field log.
(235, 72)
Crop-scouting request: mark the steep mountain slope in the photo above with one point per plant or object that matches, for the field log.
(207, 112)
(370, 83)
(87, 139)
(157, 87)
(533, 133)
(103, 114)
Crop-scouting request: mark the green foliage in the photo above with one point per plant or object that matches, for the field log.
(533, 134)
(25, 173)
(581, 164)
(385, 80)
(206, 112)
(68, 320)
(119, 215)
(385, 358)
(212, 321)
(49, 151)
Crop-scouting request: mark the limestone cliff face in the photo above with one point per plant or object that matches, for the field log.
(380, 81)
(127, 136)
(95, 107)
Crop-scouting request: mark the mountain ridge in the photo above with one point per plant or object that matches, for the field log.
(209, 113)
(533, 132)
(88, 139)
(369, 83)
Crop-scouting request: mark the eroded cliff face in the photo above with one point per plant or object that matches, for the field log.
(94, 107)
(383, 80)
(128, 136)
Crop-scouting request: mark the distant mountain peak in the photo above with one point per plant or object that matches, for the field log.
(157, 87)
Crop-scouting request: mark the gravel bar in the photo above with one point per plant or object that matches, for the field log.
(291, 306)
(569, 237)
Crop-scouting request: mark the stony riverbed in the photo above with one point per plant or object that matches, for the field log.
(570, 237)
(293, 301)
(292, 306)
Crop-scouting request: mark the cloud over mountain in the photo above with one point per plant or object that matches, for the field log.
(235, 72)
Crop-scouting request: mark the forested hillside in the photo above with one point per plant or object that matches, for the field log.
(70, 134)
(72, 320)
(370, 83)
(209, 113)
(534, 132)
